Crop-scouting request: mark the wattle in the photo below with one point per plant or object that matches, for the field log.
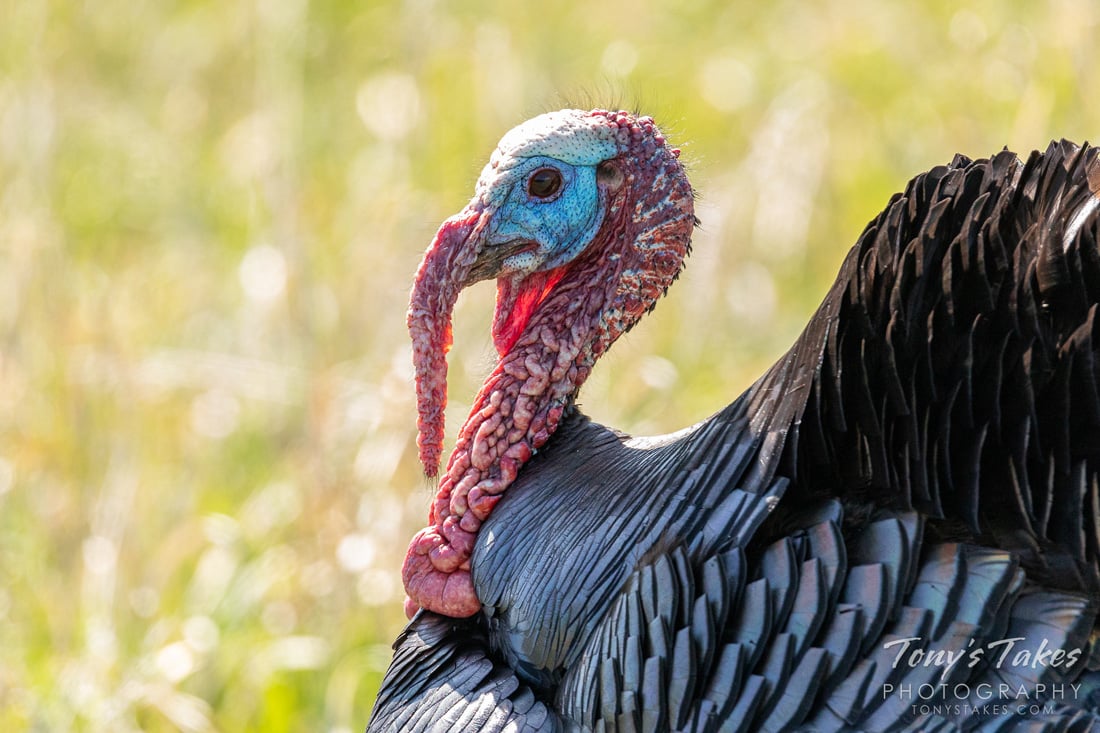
(516, 303)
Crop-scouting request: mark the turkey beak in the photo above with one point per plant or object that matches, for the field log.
(490, 260)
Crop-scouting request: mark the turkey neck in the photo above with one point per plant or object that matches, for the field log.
(516, 411)
(521, 402)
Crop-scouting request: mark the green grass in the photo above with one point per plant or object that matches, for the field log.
(210, 213)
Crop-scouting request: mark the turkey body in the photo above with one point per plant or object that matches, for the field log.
(916, 481)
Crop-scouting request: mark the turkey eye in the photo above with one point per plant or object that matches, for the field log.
(544, 183)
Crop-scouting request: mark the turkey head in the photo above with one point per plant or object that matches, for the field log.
(584, 219)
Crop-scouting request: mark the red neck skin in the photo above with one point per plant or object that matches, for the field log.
(550, 327)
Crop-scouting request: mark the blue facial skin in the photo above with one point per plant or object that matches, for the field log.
(561, 226)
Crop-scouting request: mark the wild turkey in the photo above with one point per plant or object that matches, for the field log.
(897, 527)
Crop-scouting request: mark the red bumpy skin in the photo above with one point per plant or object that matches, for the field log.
(550, 327)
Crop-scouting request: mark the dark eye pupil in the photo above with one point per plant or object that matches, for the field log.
(544, 183)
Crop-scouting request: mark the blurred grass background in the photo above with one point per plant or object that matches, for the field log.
(210, 213)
